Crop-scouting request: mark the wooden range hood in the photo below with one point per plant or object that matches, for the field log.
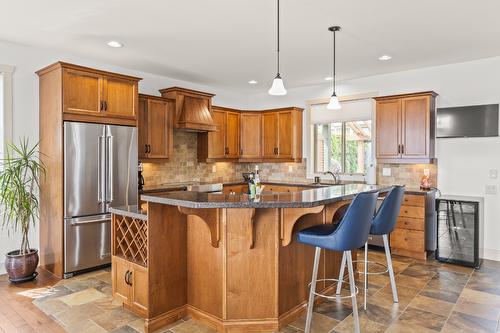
(193, 109)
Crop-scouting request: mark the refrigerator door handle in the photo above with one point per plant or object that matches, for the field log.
(109, 138)
(100, 192)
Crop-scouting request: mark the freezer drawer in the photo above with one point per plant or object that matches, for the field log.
(87, 242)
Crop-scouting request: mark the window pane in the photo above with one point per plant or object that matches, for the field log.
(328, 147)
(358, 146)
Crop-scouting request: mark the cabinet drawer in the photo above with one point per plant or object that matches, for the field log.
(410, 223)
(411, 240)
(413, 200)
(412, 212)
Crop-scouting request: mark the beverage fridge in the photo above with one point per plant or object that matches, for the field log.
(100, 170)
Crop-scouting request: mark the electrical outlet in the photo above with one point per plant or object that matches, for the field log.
(490, 189)
(214, 168)
(386, 172)
(290, 168)
(493, 174)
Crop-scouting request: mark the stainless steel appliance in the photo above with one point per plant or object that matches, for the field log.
(100, 170)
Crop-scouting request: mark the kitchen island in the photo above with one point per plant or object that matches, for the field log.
(227, 260)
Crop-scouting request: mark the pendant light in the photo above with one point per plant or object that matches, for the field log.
(278, 88)
(334, 101)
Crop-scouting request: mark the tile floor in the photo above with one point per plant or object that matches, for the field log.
(433, 297)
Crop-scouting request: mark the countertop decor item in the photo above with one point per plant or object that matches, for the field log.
(19, 184)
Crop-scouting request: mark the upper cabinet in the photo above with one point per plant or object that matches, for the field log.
(250, 135)
(405, 128)
(155, 127)
(253, 136)
(193, 109)
(224, 142)
(97, 96)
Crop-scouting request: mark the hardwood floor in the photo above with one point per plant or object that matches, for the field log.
(17, 312)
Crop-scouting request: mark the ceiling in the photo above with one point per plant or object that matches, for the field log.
(226, 43)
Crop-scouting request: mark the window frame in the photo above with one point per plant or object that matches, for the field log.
(309, 138)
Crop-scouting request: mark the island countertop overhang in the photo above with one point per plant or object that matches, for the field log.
(297, 199)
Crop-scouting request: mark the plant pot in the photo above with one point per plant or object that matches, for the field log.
(20, 267)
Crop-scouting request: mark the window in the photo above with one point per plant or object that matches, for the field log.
(344, 147)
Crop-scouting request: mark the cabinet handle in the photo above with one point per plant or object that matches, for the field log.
(105, 106)
(130, 278)
(145, 149)
(402, 149)
(226, 150)
(126, 277)
(102, 106)
(399, 149)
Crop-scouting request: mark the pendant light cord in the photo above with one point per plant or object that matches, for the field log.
(278, 39)
(334, 78)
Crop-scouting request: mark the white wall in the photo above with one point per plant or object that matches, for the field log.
(27, 60)
(463, 164)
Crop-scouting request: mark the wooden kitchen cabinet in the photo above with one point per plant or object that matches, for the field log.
(224, 143)
(405, 128)
(253, 136)
(155, 127)
(282, 134)
(93, 95)
(130, 284)
(250, 135)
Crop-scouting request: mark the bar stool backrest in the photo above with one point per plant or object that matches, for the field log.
(387, 215)
(354, 227)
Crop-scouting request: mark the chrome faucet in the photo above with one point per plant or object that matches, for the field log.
(335, 176)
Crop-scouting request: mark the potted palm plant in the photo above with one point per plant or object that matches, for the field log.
(20, 173)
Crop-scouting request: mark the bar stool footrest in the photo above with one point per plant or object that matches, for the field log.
(374, 263)
(334, 296)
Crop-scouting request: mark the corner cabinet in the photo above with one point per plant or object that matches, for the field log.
(224, 142)
(155, 127)
(253, 136)
(405, 128)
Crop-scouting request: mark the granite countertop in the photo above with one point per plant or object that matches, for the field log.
(298, 199)
(133, 211)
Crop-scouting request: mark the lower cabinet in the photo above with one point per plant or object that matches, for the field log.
(408, 238)
(130, 284)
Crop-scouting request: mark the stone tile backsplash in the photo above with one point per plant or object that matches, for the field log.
(184, 167)
(406, 174)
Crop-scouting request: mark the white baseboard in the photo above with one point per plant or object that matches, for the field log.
(491, 254)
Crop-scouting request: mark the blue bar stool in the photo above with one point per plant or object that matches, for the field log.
(383, 224)
(350, 234)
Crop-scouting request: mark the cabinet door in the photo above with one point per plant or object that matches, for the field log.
(120, 96)
(415, 120)
(250, 135)
(232, 134)
(139, 288)
(216, 140)
(120, 269)
(269, 135)
(159, 128)
(82, 92)
(388, 122)
(285, 134)
(142, 126)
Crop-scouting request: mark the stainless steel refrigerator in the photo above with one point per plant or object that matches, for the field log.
(100, 171)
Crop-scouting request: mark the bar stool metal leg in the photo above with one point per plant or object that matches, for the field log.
(352, 286)
(310, 304)
(391, 270)
(341, 274)
(366, 274)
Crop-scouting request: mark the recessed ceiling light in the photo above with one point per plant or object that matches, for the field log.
(328, 78)
(114, 43)
(252, 82)
(385, 57)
